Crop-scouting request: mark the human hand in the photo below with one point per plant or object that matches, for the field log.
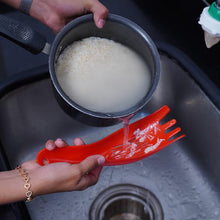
(59, 177)
(58, 13)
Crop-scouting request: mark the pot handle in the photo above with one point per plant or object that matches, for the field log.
(22, 34)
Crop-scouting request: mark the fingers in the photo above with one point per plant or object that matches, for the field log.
(51, 145)
(100, 13)
(78, 141)
(60, 143)
(91, 168)
(90, 179)
(90, 163)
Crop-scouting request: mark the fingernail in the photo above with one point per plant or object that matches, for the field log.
(101, 161)
(101, 23)
(59, 139)
(49, 146)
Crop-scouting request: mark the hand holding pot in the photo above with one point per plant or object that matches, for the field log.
(57, 13)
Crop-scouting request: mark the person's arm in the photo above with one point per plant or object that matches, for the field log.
(13, 3)
(11, 187)
(51, 178)
(57, 13)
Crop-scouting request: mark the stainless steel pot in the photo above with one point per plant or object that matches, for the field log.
(116, 28)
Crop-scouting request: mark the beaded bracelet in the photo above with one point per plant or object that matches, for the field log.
(27, 185)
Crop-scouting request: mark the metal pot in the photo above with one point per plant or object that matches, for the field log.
(116, 28)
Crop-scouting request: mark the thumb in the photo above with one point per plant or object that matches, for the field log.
(100, 13)
(91, 162)
(90, 168)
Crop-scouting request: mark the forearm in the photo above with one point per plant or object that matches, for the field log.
(41, 180)
(52, 178)
(7, 174)
(11, 187)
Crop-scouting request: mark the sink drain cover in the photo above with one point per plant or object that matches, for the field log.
(126, 202)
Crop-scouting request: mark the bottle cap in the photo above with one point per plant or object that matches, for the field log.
(214, 11)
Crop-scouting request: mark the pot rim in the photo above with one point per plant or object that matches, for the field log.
(123, 21)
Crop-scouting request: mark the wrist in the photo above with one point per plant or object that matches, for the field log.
(41, 182)
(27, 185)
(11, 187)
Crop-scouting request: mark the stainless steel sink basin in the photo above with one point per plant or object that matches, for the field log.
(184, 177)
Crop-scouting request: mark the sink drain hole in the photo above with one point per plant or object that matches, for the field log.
(126, 202)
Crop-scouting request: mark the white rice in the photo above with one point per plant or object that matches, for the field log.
(102, 75)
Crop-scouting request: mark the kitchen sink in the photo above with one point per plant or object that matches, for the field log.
(182, 180)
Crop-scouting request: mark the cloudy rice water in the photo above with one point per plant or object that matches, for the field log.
(102, 75)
